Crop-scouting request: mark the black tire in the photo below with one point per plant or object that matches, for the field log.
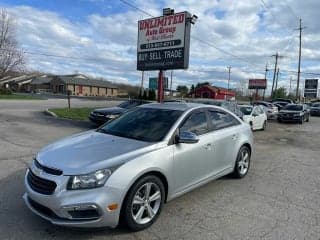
(237, 172)
(264, 127)
(279, 120)
(301, 120)
(127, 206)
(308, 118)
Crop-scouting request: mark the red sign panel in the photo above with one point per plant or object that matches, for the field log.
(257, 84)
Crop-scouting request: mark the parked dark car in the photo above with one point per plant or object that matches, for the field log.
(280, 105)
(315, 109)
(232, 106)
(102, 115)
(294, 113)
(282, 100)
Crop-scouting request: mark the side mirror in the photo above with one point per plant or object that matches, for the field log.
(187, 137)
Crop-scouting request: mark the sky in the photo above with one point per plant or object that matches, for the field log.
(99, 38)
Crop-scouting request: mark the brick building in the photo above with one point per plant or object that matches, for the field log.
(213, 92)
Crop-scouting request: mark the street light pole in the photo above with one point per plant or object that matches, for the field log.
(229, 70)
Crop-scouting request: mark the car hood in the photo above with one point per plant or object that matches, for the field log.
(112, 110)
(89, 151)
(289, 111)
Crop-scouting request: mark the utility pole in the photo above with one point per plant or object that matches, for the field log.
(229, 70)
(275, 89)
(299, 63)
(265, 77)
(290, 85)
(171, 83)
(141, 87)
(275, 70)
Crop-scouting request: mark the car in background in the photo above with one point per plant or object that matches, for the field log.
(131, 166)
(280, 105)
(282, 100)
(102, 115)
(270, 109)
(315, 109)
(255, 116)
(294, 113)
(232, 106)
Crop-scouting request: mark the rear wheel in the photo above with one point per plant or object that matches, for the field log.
(242, 162)
(308, 118)
(143, 203)
(264, 126)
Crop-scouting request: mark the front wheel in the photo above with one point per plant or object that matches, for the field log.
(143, 203)
(242, 162)
(308, 118)
(264, 126)
(301, 120)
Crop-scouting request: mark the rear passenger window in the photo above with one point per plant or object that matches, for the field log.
(196, 123)
(221, 120)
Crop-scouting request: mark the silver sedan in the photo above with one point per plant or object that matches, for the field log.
(128, 168)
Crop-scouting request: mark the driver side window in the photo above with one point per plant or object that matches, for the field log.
(196, 123)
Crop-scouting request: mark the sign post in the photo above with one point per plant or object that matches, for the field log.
(164, 43)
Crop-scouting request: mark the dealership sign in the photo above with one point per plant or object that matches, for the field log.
(257, 84)
(163, 42)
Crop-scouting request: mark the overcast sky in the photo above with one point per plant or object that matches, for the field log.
(101, 36)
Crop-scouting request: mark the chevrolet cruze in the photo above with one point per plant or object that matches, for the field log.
(128, 168)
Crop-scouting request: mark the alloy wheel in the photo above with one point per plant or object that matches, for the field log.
(243, 163)
(146, 203)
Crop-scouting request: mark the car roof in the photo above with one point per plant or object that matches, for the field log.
(180, 106)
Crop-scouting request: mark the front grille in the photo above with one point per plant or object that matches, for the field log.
(47, 169)
(88, 214)
(42, 209)
(41, 185)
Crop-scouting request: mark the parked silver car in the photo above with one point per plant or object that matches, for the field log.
(128, 168)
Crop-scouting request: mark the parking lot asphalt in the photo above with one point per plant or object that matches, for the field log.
(278, 199)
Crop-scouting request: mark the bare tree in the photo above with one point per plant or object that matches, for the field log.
(11, 58)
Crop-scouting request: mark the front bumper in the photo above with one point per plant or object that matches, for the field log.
(56, 207)
(290, 118)
(315, 113)
(272, 115)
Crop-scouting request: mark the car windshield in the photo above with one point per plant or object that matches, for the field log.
(129, 104)
(293, 107)
(246, 110)
(145, 124)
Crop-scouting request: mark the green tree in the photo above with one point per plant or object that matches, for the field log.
(183, 90)
(280, 93)
(144, 95)
(192, 88)
(152, 94)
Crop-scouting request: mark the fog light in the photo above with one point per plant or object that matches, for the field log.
(112, 207)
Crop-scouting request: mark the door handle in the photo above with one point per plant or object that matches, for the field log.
(234, 136)
(208, 146)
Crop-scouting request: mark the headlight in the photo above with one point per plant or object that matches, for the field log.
(92, 180)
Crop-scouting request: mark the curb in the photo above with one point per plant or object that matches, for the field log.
(52, 114)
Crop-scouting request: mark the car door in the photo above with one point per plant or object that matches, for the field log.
(255, 118)
(225, 136)
(261, 117)
(190, 160)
